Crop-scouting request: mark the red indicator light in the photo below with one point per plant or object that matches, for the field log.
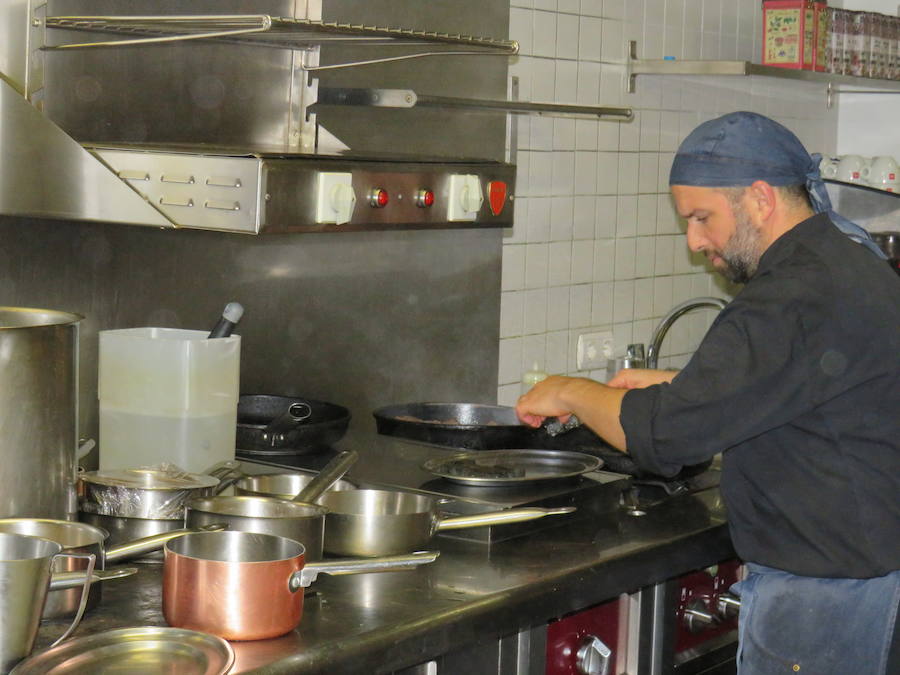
(424, 198)
(497, 196)
(379, 198)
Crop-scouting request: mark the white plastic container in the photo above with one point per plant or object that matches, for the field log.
(167, 395)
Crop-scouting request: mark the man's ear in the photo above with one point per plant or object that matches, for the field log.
(761, 200)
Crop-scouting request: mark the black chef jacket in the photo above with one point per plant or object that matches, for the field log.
(797, 382)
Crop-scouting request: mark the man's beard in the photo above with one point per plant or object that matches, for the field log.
(742, 252)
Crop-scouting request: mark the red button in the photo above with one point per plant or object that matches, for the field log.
(379, 198)
(497, 196)
(424, 198)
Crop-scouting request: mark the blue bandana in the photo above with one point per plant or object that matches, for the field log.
(739, 148)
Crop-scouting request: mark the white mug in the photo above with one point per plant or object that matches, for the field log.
(883, 173)
(828, 167)
(850, 168)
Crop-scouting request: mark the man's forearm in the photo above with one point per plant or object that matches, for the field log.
(598, 406)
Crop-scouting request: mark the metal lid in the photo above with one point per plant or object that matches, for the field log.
(139, 649)
(511, 467)
(150, 479)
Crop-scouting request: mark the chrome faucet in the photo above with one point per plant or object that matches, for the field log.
(670, 318)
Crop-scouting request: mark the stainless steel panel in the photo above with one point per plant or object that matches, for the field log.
(359, 319)
(249, 96)
(43, 172)
(213, 193)
(13, 34)
(177, 93)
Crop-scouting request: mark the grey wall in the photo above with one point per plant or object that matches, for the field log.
(358, 319)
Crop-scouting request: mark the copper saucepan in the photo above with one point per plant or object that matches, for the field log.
(247, 586)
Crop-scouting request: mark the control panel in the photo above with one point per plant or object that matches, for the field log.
(369, 195)
(705, 607)
(307, 193)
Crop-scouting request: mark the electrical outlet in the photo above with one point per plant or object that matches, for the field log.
(594, 350)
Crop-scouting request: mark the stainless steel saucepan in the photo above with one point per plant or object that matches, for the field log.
(282, 485)
(82, 538)
(300, 519)
(384, 522)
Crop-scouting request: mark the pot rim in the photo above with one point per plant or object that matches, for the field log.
(73, 524)
(141, 479)
(185, 540)
(207, 505)
(55, 317)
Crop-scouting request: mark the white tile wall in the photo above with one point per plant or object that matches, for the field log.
(597, 244)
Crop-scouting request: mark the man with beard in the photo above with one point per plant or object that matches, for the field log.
(797, 384)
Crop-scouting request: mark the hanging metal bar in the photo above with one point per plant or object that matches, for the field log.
(407, 98)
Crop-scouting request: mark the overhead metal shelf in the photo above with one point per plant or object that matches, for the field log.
(263, 29)
(635, 66)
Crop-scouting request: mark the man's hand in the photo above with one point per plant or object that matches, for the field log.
(596, 405)
(638, 378)
(544, 400)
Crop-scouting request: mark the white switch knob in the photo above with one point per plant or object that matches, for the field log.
(335, 198)
(466, 197)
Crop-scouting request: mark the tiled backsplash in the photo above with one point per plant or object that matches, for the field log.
(597, 244)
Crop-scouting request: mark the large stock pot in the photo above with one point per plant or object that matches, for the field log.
(38, 408)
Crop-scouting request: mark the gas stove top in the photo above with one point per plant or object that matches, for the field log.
(393, 463)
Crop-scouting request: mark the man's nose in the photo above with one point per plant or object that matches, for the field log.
(695, 240)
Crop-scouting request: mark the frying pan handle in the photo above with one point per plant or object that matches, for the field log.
(296, 413)
(500, 517)
(390, 563)
(154, 542)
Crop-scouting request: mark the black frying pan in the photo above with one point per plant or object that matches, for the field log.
(477, 426)
(325, 425)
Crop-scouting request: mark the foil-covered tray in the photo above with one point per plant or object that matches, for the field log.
(140, 651)
(511, 467)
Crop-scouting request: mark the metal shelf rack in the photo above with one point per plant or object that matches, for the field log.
(635, 66)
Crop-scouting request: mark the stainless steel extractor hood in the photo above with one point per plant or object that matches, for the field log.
(264, 115)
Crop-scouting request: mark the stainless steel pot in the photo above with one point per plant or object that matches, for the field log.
(282, 485)
(143, 493)
(38, 405)
(383, 522)
(301, 522)
(81, 538)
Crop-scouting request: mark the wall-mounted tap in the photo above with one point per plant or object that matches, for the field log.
(660, 333)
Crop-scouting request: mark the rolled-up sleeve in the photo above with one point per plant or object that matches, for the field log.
(754, 371)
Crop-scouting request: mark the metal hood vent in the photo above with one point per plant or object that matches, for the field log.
(47, 174)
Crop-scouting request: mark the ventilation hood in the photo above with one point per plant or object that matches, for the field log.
(257, 116)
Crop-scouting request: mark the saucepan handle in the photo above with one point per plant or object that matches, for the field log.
(390, 563)
(85, 589)
(500, 517)
(154, 542)
(65, 580)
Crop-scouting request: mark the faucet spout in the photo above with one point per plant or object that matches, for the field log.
(678, 310)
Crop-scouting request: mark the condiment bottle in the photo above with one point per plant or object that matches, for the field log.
(532, 377)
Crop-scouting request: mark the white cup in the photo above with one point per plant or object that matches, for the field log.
(828, 167)
(850, 167)
(883, 172)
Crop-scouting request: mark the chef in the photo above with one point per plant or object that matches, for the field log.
(797, 384)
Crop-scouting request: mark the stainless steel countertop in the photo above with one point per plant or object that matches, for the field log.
(382, 622)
